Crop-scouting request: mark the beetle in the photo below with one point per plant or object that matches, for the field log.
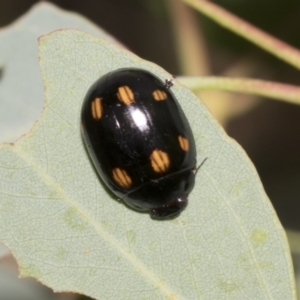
(140, 141)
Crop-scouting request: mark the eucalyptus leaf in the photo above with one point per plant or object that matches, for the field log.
(67, 231)
(21, 87)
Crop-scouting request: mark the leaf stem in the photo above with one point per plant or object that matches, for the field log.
(189, 39)
(274, 46)
(274, 90)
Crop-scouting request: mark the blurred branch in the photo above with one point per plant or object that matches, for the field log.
(191, 46)
(274, 90)
(246, 30)
(294, 241)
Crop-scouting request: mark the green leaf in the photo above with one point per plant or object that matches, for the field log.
(21, 87)
(67, 231)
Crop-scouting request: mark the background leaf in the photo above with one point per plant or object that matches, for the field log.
(67, 231)
(21, 87)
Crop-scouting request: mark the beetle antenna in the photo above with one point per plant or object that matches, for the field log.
(169, 82)
(197, 169)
